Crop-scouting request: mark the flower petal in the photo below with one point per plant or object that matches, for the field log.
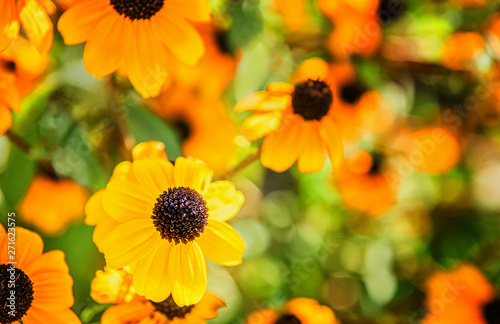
(132, 312)
(37, 25)
(192, 173)
(333, 141)
(41, 316)
(261, 124)
(221, 243)
(195, 10)
(127, 200)
(223, 200)
(154, 176)
(27, 246)
(312, 154)
(187, 271)
(5, 119)
(130, 242)
(9, 24)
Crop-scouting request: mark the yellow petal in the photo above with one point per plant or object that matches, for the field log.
(130, 242)
(192, 173)
(149, 150)
(223, 200)
(221, 243)
(126, 200)
(261, 124)
(93, 209)
(9, 24)
(107, 45)
(37, 25)
(151, 274)
(280, 88)
(313, 152)
(187, 273)
(263, 101)
(195, 10)
(334, 146)
(251, 101)
(154, 175)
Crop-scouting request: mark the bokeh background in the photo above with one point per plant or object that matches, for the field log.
(418, 91)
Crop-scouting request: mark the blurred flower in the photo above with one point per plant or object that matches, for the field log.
(162, 219)
(211, 75)
(462, 295)
(20, 65)
(356, 27)
(296, 311)
(134, 38)
(364, 175)
(469, 3)
(52, 204)
(201, 123)
(34, 16)
(461, 49)
(43, 286)
(112, 286)
(298, 125)
(294, 13)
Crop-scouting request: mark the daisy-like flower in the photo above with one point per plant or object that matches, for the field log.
(115, 287)
(298, 124)
(33, 15)
(296, 311)
(162, 220)
(460, 296)
(43, 286)
(52, 204)
(135, 36)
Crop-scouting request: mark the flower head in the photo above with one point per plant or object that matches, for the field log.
(136, 37)
(42, 282)
(162, 219)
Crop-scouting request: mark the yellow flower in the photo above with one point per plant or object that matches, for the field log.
(163, 219)
(52, 204)
(42, 281)
(296, 311)
(297, 123)
(135, 37)
(34, 16)
(112, 286)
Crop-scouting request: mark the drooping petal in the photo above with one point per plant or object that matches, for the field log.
(126, 200)
(280, 149)
(130, 242)
(79, 21)
(151, 274)
(9, 23)
(263, 101)
(192, 173)
(187, 273)
(313, 152)
(280, 88)
(208, 306)
(261, 124)
(333, 142)
(221, 243)
(223, 200)
(195, 10)
(154, 176)
(107, 45)
(37, 25)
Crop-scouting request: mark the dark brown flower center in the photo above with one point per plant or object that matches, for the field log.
(180, 214)
(170, 309)
(288, 319)
(9, 66)
(491, 312)
(351, 93)
(183, 128)
(16, 290)
(137, 9)
(312, 99)
(377, 164)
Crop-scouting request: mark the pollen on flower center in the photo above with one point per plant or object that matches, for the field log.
(312, 99)
(14, 279)
(180, 214)
(169, 308)
(288, 319)
(137, 9)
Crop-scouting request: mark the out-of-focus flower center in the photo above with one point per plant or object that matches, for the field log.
(351, 93)
(14, 305)
(9, 66)
(180, 214)
(183, 128)
(377, 164)
(137, 9)
(288, 319)
(491, 312)
(312, 99)
(170, 309)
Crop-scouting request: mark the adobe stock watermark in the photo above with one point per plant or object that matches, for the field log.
(450, 292)
(10, 303)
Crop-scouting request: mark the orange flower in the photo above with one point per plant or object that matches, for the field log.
(52, 204)
(296, 311)
(135, 38)
(211, 75)
(363, 175)
(34, 16)
(202, 123)
(356, 29)
(294, 13)
(461, 296)
(461, 49)
(20, 65)
(42, 282)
